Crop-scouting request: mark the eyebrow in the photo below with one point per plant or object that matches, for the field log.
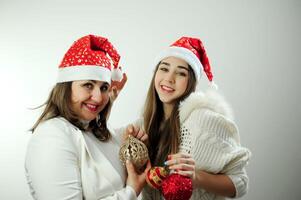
(179, 66)
(104, 83)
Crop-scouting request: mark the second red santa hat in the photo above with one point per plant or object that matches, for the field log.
(193, 52)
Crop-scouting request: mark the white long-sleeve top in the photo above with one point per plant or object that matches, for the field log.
(210, 135)
(65, 163)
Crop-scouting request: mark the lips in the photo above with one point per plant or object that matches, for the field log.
(91, 107)
(166, 88)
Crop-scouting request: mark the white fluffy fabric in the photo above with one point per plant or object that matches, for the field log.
(211, 99)
(116, 74)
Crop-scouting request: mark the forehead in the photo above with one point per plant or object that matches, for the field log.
(175, 61)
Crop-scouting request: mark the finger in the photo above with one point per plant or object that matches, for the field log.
(148, 166)
(182, 167)
(180, 155)
(124, 79)
(140, 134)
(130, 129)
(130, 167)
(175, 161)
(121, 84)
(186, 173)
(144, 138)
(115, 91)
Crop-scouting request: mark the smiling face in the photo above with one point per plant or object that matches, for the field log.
(89, 98)
(171, 79)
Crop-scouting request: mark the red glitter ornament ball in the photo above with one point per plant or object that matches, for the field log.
(177, 187)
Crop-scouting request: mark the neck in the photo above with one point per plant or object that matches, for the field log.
(167, 110)
(85, 123)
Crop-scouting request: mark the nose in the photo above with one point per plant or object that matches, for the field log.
(96, 95)
(170, 77)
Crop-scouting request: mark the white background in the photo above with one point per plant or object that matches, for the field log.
(254, 48)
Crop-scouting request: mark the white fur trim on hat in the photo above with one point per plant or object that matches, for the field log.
(184, 54)
(116, 74)
(84, 72)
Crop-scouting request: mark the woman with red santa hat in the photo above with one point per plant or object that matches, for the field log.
(73, 153)
(191, 133)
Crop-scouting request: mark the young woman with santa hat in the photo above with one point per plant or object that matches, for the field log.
(73, 153)
(192, 133)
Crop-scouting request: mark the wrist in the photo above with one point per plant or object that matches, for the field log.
(132, 191)
(199, 178)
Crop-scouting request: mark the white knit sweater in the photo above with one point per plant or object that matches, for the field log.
(209, 133)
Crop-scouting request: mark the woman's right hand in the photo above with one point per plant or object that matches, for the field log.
(135, 132)
(136, 180)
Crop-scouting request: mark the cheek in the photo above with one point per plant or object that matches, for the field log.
(183, 84)
(157, 80)
(105, 98)
(74, 99)
(79, 95)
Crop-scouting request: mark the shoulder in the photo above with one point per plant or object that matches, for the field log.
(55, 129)
(216, 124)
(211, 113)
(57, 124)
(211, 100)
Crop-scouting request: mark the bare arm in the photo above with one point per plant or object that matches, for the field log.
(219, 184)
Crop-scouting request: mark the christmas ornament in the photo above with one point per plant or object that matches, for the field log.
(177, 187)
(135, 151)
(155, 176)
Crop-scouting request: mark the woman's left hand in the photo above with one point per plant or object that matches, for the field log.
(183, 164)
(136, 132)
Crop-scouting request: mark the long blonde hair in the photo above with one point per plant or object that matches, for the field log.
(163, 138)
(58, 104)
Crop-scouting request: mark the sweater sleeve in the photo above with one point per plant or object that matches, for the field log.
(52, 165)
(218, 149)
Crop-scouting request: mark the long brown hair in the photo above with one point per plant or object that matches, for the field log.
(163, 138)
(58, 104)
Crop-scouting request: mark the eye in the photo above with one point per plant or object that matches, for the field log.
(88, 86)
(182, 74)
(104, 88)
(164, 69)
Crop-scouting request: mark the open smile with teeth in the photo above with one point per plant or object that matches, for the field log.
(166, 88)
(91, 107)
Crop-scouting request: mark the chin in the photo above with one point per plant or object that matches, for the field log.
(165, 100)
(89, 118)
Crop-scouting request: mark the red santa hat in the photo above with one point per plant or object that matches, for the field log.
(90, 58)
(193, 52)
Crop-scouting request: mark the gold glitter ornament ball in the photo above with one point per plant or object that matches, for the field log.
(135, 151)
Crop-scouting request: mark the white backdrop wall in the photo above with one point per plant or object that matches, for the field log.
(254, 47)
